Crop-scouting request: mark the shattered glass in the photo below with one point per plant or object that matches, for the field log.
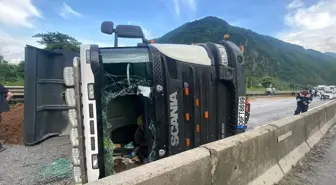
(152, 155)
(117, 86)
(59, 169)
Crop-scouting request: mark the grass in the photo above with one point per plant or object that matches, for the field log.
(13, 83)
(256, 89)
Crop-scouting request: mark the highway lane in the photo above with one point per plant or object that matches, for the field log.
(266, 110)
(25, 165)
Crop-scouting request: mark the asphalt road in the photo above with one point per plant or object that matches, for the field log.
(266, 110)
(46, 163)
(37, 165)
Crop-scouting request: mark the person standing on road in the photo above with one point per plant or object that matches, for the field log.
(322, 97)
(5, 97)
(310, 91)
(303, 100)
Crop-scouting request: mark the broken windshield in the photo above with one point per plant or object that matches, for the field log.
(126, 107)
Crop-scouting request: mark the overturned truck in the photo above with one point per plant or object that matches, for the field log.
(143, 103)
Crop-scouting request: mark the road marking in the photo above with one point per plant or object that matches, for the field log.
(293, 115)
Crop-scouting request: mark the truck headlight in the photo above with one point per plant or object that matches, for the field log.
(70, 97)
(91, 91)
(68, 76)
(95, 161)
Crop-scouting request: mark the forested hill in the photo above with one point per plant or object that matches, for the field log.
(331, 54)
(265, 55)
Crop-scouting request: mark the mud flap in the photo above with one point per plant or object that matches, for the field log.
(45, 112)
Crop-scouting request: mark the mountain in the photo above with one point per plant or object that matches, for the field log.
(331, 54)
(264, 55)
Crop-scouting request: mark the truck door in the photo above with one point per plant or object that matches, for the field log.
(45, 111)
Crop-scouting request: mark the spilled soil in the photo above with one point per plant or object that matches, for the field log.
(11, 127)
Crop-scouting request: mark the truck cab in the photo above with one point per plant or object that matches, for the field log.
(150, 101)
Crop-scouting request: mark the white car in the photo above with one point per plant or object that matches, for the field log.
(329, 95)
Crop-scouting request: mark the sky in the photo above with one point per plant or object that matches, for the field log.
(310, 23)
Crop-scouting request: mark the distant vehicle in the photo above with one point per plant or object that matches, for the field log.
(329, 95)
(321, 86)
(270, 91)
(332, 88)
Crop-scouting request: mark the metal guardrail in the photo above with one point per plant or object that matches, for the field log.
(18, 92)
(277, 93)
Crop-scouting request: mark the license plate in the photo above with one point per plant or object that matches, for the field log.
(241, 111)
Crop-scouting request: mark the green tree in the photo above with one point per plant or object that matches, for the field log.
(266, 81)
(20, 69)
(57, 40)
(11, 74)
(2, 60)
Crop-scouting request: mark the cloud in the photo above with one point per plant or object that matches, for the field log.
(186, 5)
(295, 4)
(237, 23)
(18, 13)
(12, 47)
(107, 43)
(147, 32)
(176, 4)
(67, 11)
(312, 26)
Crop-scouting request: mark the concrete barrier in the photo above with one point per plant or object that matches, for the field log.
(257, 157)
(190, 167)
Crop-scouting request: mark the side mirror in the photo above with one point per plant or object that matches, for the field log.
(107, 27)
(129, 31)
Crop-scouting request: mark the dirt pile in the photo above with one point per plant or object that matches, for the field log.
(11, 127)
